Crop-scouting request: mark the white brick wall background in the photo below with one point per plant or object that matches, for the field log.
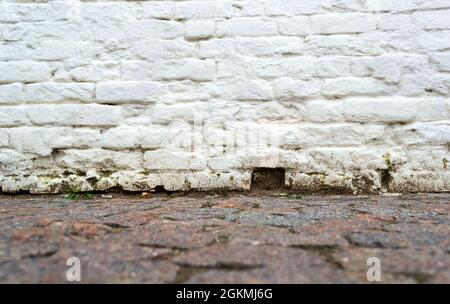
(349, 95)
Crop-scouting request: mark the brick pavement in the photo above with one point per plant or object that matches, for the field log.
(225, 238)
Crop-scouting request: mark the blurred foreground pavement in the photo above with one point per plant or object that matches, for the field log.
(225, 238)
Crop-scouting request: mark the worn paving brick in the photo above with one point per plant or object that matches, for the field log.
(377, 240)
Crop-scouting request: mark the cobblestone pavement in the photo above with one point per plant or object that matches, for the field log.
(225, 238)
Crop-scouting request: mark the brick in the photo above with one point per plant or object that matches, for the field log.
(4, 138)
(431, 109)
(335, 135)
(132, 137)
(185, 112)
(98, 12)
(342, 24)
(24, 71)
(203, 9)
(288, 88)
(442, 61)
(187, 69)
(163, 159)
(247, 27)
(31, 12)
(406, 5)
(295, 26)
(432, 20)
(11, 93)
(92, 72)
(423, 133)
(251, 8)
(217, 48)
(332, 67)
(345, 45)
(324, 111)
(341, 87)
(380, 110)
(193, 69)
(11, 116)
(53, 50)
(269, 46)
(199, 29)
(74, 115)
(128, 92)
(59, 92)
(79, 138)
(32, 140)
(158, 9)
(99, 159)
(294, 67)
(250, 90)
(294, 7)
(122, 138)
(151, 48)
(393, 22)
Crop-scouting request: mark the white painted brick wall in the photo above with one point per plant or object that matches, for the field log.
(196, 94)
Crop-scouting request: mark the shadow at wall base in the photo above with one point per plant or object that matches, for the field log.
(268, 179)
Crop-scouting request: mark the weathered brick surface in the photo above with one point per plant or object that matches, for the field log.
(234, 238)
(351, 95)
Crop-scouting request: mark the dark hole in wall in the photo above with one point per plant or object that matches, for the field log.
(268, 179)
(160, 189)
(386, 179)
